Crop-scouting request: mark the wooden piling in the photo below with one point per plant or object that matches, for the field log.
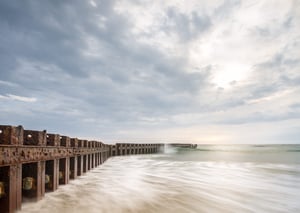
(79, 165)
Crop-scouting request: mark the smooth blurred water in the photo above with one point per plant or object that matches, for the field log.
(211, 178)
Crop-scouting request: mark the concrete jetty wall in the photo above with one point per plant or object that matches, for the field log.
(33, 163)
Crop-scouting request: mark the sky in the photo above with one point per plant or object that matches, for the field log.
(214, 71)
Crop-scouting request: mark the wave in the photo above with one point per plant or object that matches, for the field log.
(246, 148)
(148, 184)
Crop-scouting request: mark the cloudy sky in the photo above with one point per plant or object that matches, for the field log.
(210, 71)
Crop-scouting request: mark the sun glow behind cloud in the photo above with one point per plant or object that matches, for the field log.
(229, 74)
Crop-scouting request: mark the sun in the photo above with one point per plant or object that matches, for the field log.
(228, 74)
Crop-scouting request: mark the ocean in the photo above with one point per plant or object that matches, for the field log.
(211, 178)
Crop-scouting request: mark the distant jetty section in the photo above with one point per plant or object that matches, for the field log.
(33, 163)
(183, 145)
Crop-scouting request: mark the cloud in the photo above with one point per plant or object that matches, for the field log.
(115, 69)
(187, 26)
(18, 98)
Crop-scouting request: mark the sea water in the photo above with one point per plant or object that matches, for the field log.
(211, 178)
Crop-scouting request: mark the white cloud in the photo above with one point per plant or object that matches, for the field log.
(18, 98)
(93, 3)
(7, 83)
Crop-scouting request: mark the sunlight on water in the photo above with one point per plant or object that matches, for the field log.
(176, 182)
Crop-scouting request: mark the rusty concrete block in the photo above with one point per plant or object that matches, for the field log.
(11, 135)
(53, 140)
(37, 138)
(80, 143)
(74, 142)
(65, 141)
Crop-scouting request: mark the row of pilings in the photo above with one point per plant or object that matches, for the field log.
(33, 163)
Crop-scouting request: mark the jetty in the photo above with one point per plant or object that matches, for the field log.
(33, 163)
(183, 145)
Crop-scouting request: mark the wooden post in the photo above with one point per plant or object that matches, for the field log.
(55, 174)
(123, 149)
(132, 149)
(11, 178)
(139, 149)
(64, 169)
(40, 179)
(85, 161)
(89, 162)
(73, 167)
(18, 184)
(97, 159)
(105, 155)
(52, 170)
(79, 165)
(32, 181)
(93, 160)
(118, 151)
(67, 179)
